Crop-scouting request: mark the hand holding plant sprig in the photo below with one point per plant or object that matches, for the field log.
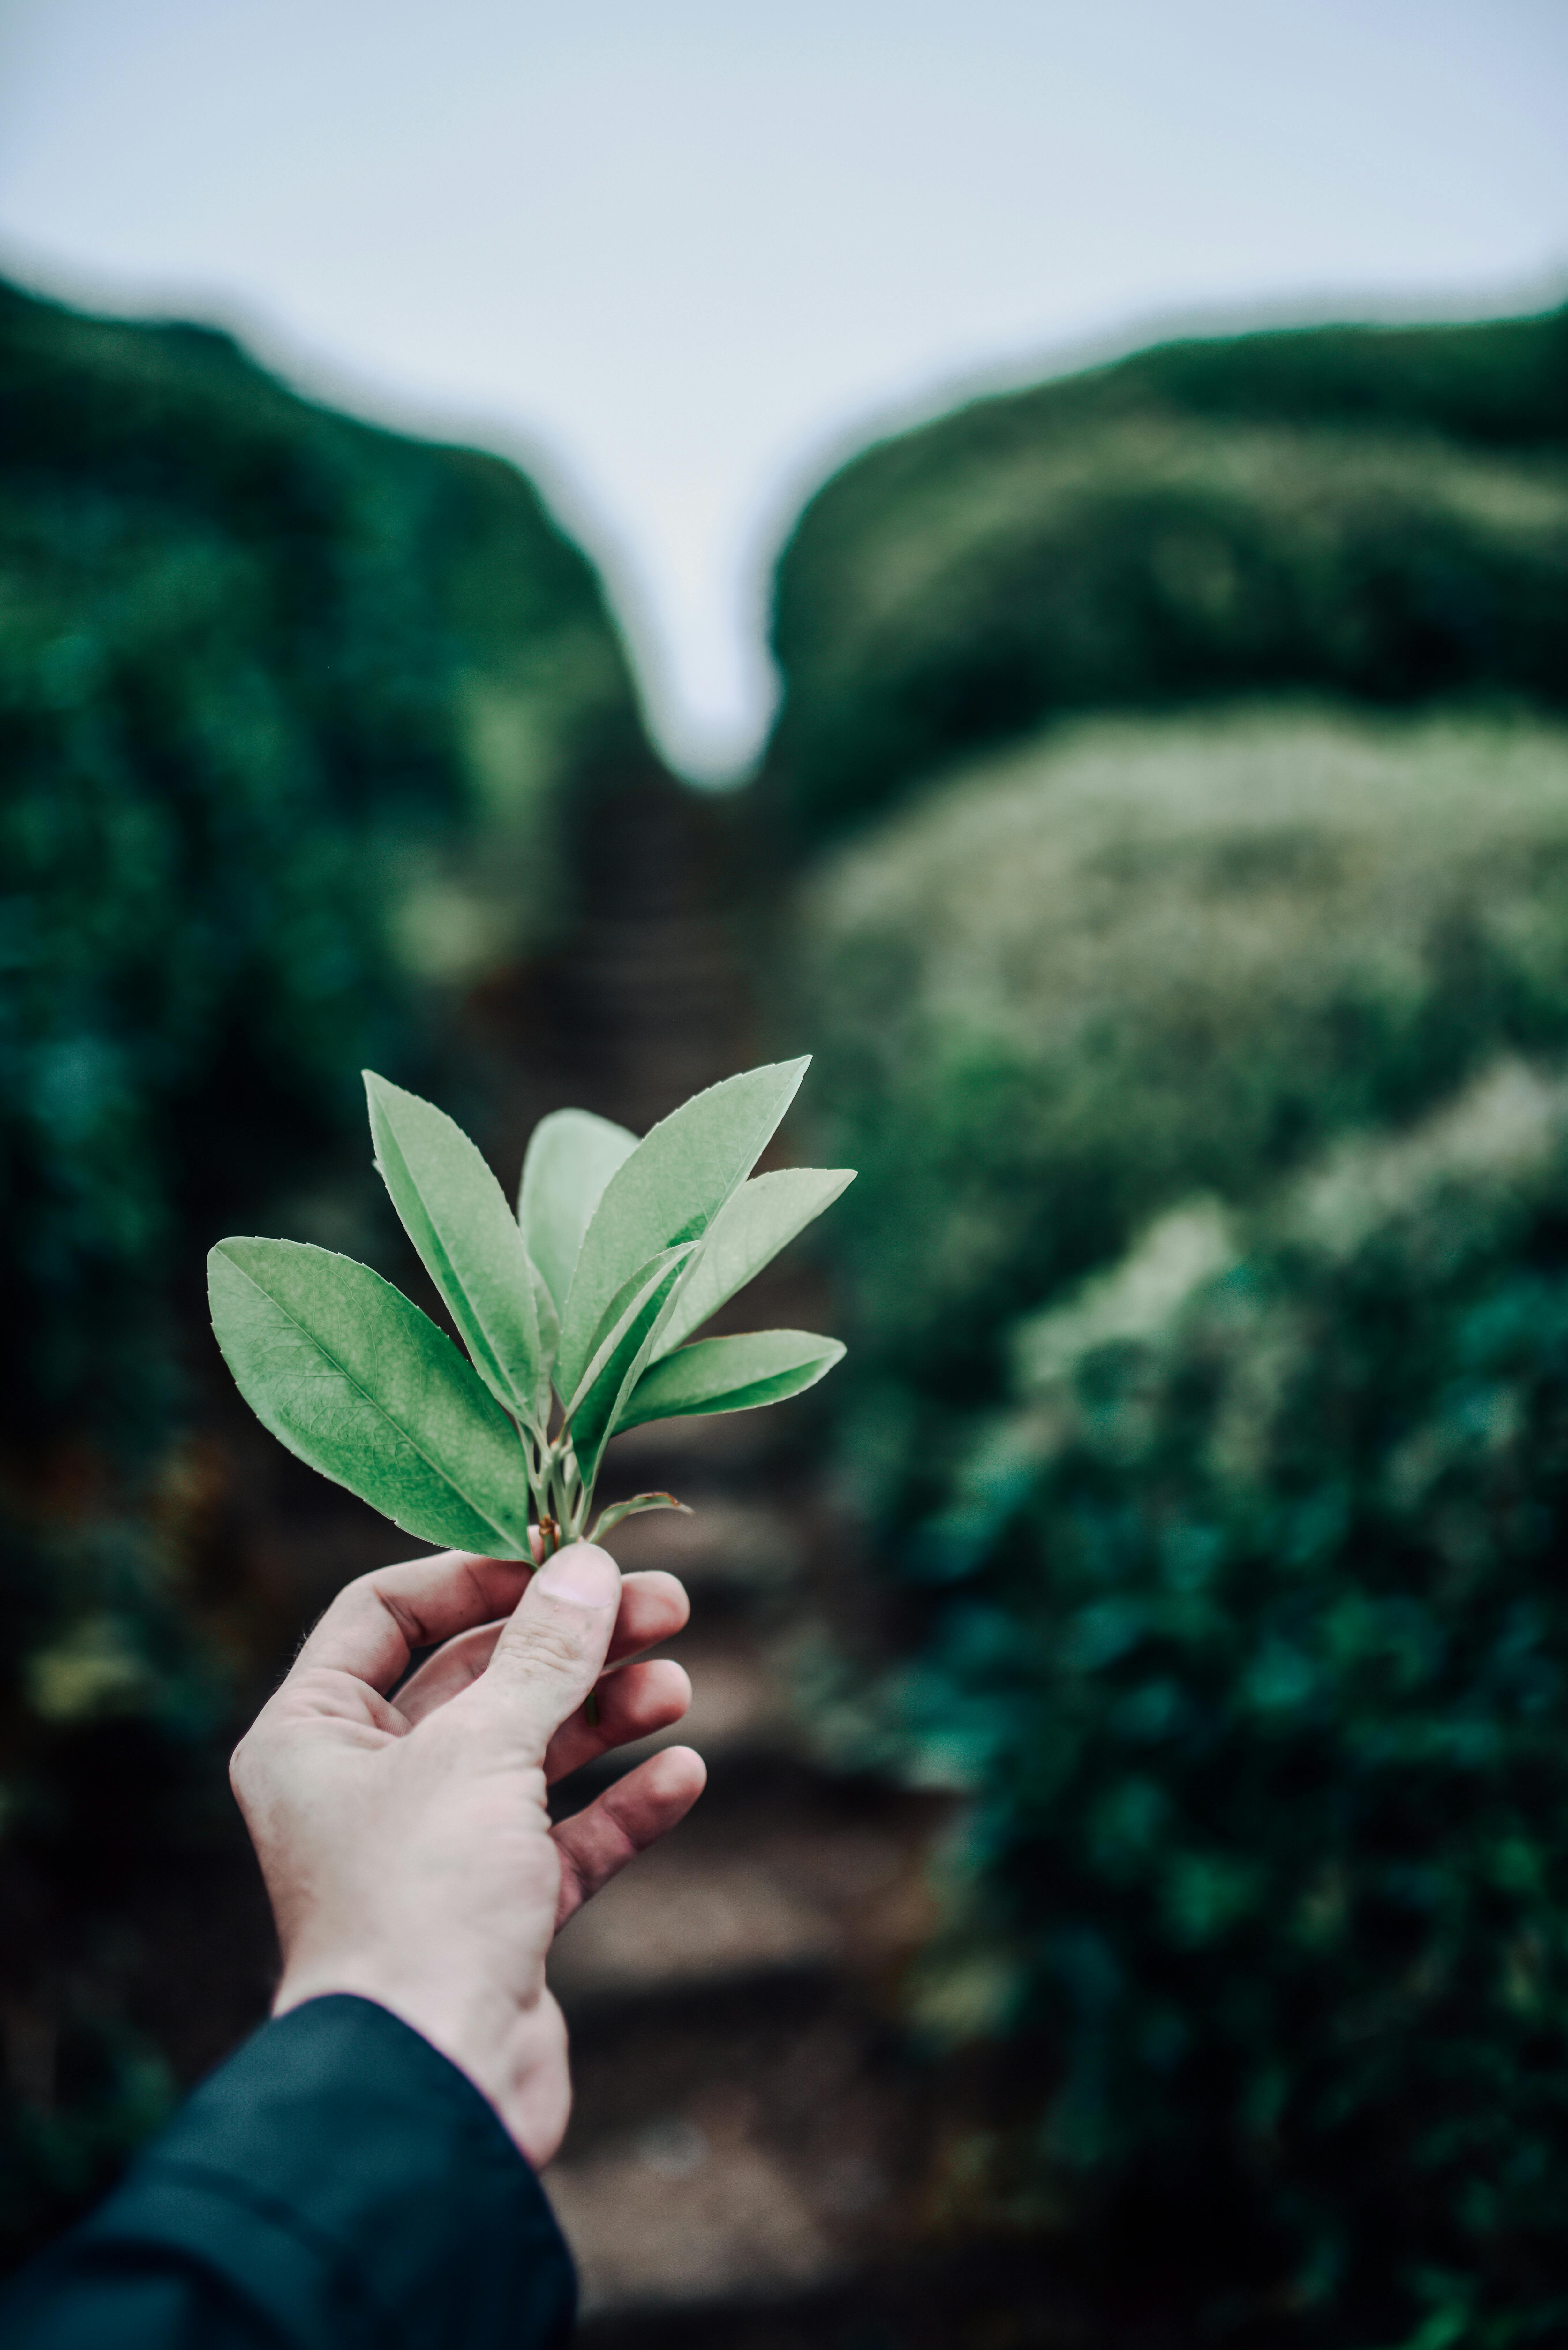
(578, 1314)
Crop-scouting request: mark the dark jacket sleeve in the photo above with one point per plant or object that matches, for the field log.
(337, 2184)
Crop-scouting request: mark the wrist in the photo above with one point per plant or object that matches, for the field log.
(515, 2056)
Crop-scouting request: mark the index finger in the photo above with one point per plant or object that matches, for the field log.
(377, 1621)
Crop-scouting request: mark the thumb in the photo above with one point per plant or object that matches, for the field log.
(553, 1650)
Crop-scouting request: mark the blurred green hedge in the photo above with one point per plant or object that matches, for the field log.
(1070, 984)
(1249, 1632)
(293, 715)
(1376, 513)
(1209, 1271)
(1208, 1280)
(288, 708)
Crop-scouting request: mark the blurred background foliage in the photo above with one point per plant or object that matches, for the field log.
(1129, 959)
(289, 710)
(1171, 763)
(1380, 513)
(1252, 1635)
(1172, 778)
(294, 715)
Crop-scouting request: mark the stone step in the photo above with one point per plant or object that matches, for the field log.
(778, 1868)
(739, 1704)
(923, 2296)
(682, 2215)
(725, 1543)
(755, 2145)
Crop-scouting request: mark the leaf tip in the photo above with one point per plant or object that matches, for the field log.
(227, 1252)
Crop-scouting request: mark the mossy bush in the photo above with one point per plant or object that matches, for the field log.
(1379, 515)
(1248, 1634)
(284, 705)
(1070, 986)
(292, 715)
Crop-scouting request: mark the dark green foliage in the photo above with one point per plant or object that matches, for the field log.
(260, 667)
(1501, 385)
(290, 710)
(113, 1716)
(1379, 514)
(1251, 1634)
(1239, 1618)
(1230, 1578)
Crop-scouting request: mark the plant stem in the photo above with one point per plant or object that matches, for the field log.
(561, 1505)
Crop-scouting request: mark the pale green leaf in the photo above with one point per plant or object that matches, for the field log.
(549, 1329)
(670, 1188)
(730, 1374)
(456, 1215)
(621, 1351)
(634, 1508)
(762, 1217)
(623, 1310)
(360, 1384)
(571, 1157)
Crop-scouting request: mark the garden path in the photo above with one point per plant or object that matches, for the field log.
(740, 2144)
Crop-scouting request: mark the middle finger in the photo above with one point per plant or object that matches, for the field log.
(653, 1607)
(632, 1703)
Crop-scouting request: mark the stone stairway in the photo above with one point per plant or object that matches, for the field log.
(742, 2126)
(750, 2154)
(742, 2138)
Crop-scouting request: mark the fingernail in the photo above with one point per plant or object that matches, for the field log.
(583, 1574)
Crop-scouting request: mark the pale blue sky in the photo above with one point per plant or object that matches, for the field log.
(680, 256)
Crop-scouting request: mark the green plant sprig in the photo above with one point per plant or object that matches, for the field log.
(578, 1314)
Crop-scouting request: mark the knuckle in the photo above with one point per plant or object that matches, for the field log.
(317, 1684)
(348, 1603)
(547, 1645)
(540, 1873)
(255, 1760)
(247, 1770)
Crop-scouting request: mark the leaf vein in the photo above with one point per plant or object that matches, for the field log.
(351, 1379)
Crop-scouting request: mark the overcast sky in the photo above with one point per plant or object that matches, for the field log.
(681, 256)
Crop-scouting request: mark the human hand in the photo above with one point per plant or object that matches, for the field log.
(406, 1846)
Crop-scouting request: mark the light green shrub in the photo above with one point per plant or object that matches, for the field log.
(1073, 984)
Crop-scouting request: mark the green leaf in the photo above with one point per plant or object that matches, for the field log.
(622, 1350)
(571, 1157)
(456, 1215)
(730, 1374)
(623, 1310)
(360, 1384)
(670, 1188)
(762, 1217)
(634, 1508)
(549, 1327)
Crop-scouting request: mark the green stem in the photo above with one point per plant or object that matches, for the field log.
(573, 1505)
(576, 1502)
(534, 1472)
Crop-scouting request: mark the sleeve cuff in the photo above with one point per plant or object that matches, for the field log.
(357, 2189)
